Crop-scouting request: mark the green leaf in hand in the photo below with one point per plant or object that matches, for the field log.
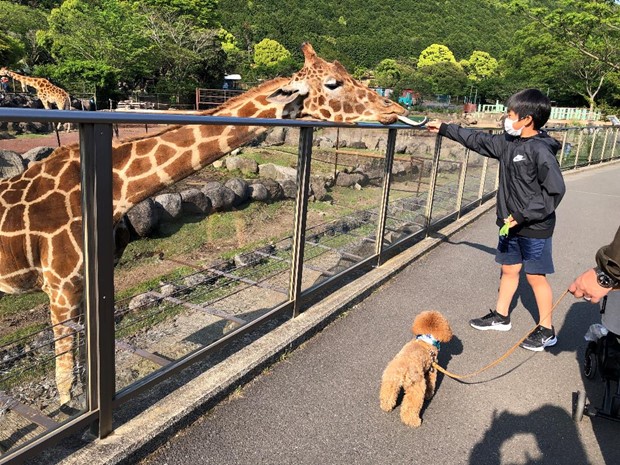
(504, 229)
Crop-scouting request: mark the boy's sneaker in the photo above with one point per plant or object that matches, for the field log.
(540, 338)
(492, 320)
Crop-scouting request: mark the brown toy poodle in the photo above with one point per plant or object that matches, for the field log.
(411, 369)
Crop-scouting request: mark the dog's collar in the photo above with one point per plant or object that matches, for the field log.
(429, 339)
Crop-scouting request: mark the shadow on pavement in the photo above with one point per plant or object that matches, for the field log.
(554, 439)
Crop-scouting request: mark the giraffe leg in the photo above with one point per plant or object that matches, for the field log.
(65, 310)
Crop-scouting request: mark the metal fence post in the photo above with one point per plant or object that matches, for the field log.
(483, 175)
(613, 147)
(461, 188)
(96, 170)
(385, 195)
(579, 142)
(592, 147)
(304, 159)
(432, 183)
(563, 148)
(604, 146)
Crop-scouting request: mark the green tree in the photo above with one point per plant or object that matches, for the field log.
(388, 73)
(18, 27)
(592, 27)
(106, 32)
(443, 78)
(185, 53)
(481, 65)
(272, 58)
(434, 54)
(202, 13)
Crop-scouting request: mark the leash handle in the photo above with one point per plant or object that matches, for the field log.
(495, 362)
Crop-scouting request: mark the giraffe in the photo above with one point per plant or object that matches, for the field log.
(40, 210)
(48, 93)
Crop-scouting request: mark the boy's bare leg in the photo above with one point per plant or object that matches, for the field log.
(508, 284)
(544, 297)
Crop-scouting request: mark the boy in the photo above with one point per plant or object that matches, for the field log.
(530, 188)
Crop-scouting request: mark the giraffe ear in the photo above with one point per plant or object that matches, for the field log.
(287, 94)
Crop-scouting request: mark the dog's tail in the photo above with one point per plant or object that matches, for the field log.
(391, 383)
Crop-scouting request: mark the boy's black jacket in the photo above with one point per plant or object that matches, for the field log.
(530, 180)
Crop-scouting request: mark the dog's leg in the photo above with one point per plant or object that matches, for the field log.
(431, 379)
(391, 383)
(412, 404)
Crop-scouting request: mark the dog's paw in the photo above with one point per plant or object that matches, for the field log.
(386, 406)
(414, 422)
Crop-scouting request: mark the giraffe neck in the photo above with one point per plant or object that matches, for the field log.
(29, 81)
(144, 166)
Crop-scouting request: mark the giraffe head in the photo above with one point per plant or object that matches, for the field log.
(326, 91)
(4, 71)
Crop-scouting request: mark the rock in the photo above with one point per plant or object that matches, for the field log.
(142, 300)
(221, 197)
(258, 192)
(169, 205)
(289, 188)
(195, 202)
(350, 179)
(245, 165)
(169, 289)
(275, 189)
(276, 136)
(375, 176)
(277, 172)
(399, 168)
(144, 217)
(196, 280)
(358, 144)
(37, 154)
(11, 164)
(254, 258)
(326, 143)
(240, 188)
(221, 163)
(319, 191)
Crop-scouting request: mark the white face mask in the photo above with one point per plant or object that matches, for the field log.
(509, 128)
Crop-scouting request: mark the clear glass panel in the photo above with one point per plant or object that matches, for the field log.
(200, 276)
(409, 189)
(346, 180)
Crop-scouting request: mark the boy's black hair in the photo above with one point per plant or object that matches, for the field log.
(531, 102)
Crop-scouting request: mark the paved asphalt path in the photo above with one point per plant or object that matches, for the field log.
(319, 405)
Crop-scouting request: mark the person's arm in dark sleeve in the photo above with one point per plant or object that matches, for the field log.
(487, 145)
(552, 190)
(608, 258)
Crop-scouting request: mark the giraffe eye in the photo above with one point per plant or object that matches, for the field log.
(333, 84)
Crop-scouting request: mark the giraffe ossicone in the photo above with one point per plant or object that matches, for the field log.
(40, 210)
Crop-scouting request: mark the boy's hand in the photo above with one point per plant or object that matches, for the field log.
(433, 126)
(508, 223)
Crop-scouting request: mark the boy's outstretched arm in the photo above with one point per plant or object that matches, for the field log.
(485, 144)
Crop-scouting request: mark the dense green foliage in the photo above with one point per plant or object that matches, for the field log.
(568, 48)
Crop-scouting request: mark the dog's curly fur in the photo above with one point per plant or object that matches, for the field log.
(411, 370)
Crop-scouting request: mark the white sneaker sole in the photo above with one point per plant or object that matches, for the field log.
(507, 327)
(549, 343)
